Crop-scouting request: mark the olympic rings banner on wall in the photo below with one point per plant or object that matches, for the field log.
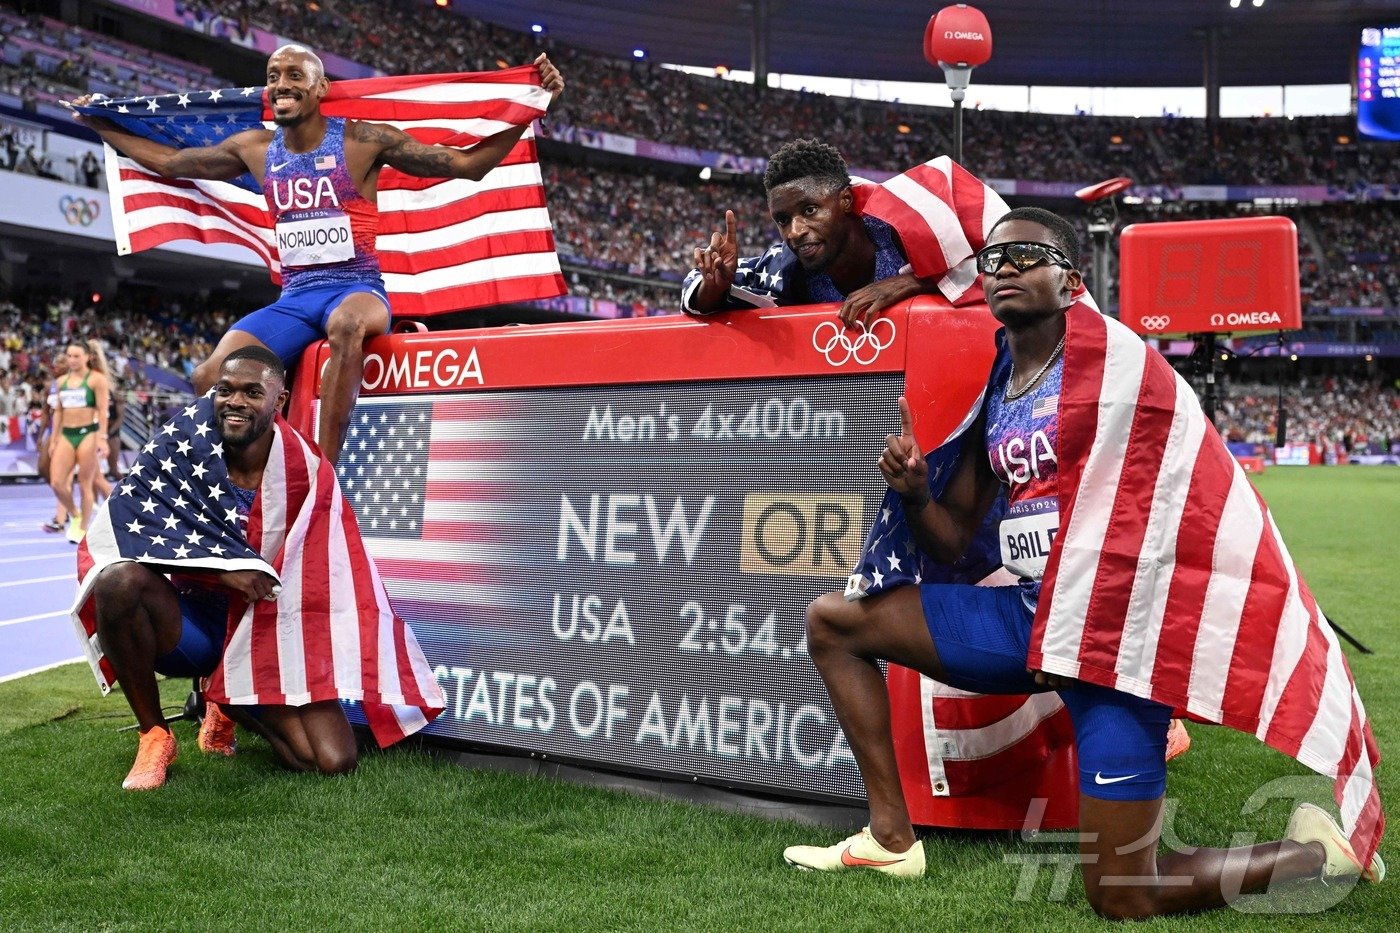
(59, 207)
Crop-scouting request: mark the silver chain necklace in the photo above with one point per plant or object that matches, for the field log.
(1054, 355)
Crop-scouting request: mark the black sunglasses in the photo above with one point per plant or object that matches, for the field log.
(1023, 254)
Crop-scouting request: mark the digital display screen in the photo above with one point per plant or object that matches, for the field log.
(617, 575)
(1234, 275)
(1378, 83)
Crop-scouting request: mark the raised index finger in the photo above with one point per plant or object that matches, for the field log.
(730, 231)
(906, 420)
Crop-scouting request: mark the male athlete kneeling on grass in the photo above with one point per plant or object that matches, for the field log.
(180, 576)
(1104, 451)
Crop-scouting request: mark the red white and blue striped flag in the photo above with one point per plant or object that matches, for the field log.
(330, 634)
(444, 244)
(1169, 579)
(943, 214)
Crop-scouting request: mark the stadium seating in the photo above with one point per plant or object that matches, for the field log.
(625, 229)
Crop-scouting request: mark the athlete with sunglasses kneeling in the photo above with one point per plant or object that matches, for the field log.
(1037, 440)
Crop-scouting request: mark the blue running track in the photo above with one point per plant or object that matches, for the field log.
(38, 577)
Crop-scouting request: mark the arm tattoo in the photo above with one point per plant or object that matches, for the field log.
(413, 158)
(407, 154)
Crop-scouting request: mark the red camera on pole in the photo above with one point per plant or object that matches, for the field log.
(958, 39)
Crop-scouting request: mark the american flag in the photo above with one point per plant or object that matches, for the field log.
(1169, 579)
(1045, 407)
(943, 214)
(437, 483)
(444, 244)
(330, 634)
(384, 467)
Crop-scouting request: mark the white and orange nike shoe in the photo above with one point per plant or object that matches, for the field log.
(859, 851)
(1311, 823)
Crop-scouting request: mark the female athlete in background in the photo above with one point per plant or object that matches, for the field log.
(80, 431)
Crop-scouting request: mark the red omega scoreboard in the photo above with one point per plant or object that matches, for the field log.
(605, 535)
(1210, 276)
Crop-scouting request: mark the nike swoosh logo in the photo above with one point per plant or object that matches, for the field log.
(856, 861)
(278, 168)
(1100, 779)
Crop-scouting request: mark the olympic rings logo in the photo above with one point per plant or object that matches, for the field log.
(837, 346)
(1157, 322)
(79, 211)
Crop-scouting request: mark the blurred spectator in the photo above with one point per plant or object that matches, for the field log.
(91, 169)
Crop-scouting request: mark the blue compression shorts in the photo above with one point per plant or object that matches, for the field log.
(203, 622)
(982, 635)
(298, 318)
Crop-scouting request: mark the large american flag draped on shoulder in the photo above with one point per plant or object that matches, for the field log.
(444, 244)
(330, 634)
(943, 214)
(1169, 579)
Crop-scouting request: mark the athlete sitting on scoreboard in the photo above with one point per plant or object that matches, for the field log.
(829, 251)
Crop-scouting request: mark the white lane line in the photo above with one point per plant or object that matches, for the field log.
(61, 576)
(70, 555)
(42, 615)
(50, 539)
(39, 670)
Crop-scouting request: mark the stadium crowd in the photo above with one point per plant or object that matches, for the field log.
(642, 223)
(652, 221)
(644, 100)
(1359, 244)
(135, 331)
(1345, 412)
(625, 235)
(49, 61)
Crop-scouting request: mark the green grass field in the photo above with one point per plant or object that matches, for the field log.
(409, 842)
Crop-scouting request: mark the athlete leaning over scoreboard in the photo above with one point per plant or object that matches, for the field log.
(829, 252)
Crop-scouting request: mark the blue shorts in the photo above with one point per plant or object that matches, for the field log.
(982, 635)
(298, 317)
(203, 622)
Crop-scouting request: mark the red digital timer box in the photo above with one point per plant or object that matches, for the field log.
(1219, 276)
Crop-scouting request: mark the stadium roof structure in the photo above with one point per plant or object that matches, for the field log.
(1099, 43)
